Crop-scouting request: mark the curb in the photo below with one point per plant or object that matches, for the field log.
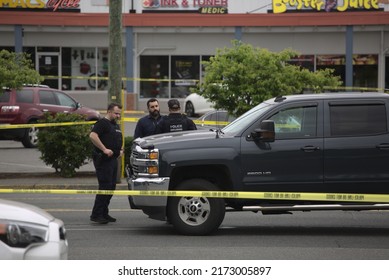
(54, 181)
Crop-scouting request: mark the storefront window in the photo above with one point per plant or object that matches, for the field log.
(185, 74)
(91, 66)
(335, 62)
(304, 61)
(153, 71)
(365, 70)
(156, 81)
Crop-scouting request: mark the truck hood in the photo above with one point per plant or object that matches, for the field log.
(174, 137)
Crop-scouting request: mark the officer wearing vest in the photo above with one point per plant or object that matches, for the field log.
(175, 121)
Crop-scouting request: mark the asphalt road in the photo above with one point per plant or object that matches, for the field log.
(246, 236)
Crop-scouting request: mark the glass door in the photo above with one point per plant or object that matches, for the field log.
(49, 67)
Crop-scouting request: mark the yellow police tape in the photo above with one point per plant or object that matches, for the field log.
(334, 197)
(8, 126)
(14, 126)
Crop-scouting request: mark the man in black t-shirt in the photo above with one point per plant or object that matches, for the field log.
(108, 146)
(175, 121)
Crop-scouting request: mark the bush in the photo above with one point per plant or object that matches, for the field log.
(65, 148)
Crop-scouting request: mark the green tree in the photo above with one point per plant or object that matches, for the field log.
(16, 69)
(238, 78)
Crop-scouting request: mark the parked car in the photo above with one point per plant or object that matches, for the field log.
(196, 105)
(214, 120)
(30, 233)
(28, 105)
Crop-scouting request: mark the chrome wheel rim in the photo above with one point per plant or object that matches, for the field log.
(33, 135)
(194, 211)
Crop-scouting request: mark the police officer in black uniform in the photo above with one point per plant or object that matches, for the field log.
(175, 121)
(108, 146)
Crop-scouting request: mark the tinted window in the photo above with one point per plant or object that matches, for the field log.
(65, 100)
(295, 122)
(25, 96)
(358, 119)
(4, 96)
(47, 97)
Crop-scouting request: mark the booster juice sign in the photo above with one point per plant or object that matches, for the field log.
(281, 6)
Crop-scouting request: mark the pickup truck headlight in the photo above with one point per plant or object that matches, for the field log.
(20, 234)
(144, 162)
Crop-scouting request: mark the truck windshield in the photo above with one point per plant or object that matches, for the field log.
(241, 123)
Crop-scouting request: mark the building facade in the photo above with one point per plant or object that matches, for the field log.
(164, 41)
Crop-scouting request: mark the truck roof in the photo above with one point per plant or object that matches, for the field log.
(330, 95)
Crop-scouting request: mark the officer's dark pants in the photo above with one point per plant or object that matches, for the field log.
(106, 171)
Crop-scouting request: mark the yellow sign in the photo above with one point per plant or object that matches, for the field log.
(213, 10)
(281, 6)
(40, 4)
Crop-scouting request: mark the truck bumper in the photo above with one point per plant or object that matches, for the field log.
(153, 206)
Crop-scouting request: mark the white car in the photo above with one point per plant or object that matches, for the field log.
(30, 233)
(196, 105)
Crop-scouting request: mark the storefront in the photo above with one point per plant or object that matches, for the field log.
(165, 41)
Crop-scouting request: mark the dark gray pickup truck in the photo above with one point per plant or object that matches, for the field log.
(318, 143)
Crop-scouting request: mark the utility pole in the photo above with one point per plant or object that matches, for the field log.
(115, 51)
(115, 63)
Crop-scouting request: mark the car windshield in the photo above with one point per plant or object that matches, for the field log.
(241, 123)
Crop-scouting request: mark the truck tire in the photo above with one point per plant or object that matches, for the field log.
(196, 215)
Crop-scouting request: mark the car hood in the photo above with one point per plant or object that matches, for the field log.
(17, 211)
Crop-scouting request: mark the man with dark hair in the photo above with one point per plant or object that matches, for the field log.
(108, 146)
(175, 121)
(146, 125)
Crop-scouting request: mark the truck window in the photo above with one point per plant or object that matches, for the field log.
(358, 119)
(297, 122)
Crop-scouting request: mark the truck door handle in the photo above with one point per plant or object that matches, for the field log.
(310, 149)
(45, 110)
(384, 146)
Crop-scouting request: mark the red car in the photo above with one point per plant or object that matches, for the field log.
(28, 105)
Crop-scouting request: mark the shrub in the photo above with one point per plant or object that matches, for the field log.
(65, 148)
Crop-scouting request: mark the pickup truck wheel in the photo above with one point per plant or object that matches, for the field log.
(196, 215)
(30, 139)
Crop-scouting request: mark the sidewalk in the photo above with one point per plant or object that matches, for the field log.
(49, 180)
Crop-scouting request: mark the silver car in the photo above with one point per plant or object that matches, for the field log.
(215, 119)
(30, 233)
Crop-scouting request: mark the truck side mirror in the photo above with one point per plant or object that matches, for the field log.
(265, 132)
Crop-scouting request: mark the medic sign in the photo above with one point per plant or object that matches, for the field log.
(53, 5)
(203, 6)
(281, 6)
